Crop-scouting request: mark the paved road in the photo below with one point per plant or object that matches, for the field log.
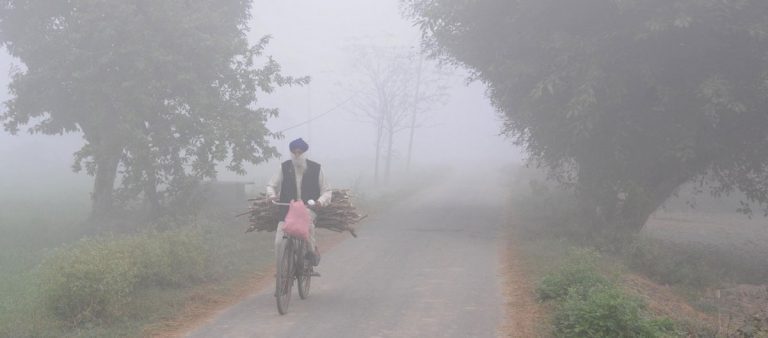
(426, 268)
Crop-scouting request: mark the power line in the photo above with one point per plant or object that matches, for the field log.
(318, 116)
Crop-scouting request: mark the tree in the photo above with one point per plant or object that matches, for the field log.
(430, 90)
(625, 100)
(392, 92)
(160, 90)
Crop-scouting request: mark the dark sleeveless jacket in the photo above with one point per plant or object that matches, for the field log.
(310, 184)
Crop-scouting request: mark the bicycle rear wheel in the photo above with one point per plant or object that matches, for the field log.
(303, 270)
(284, 276)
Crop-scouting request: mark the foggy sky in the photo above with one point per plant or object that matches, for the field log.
(309, 39)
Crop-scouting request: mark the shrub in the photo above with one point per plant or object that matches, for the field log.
(578, 272)
(591, 305)
(93, 280)
(606, 311)
(172, 259)
(90, 280)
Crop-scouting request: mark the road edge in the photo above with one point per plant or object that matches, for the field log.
(522, 313)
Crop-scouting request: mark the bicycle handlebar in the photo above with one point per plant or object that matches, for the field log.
(310, 203)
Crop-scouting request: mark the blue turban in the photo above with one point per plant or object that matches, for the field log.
(298, 144)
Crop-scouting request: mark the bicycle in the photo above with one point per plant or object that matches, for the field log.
(292, 264)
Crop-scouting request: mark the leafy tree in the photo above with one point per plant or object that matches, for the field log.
(626, 100)
(160, 90)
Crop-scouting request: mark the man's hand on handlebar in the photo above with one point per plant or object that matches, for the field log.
(312, 204)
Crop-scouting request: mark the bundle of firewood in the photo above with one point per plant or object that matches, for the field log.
(263, 215)
(339, 216)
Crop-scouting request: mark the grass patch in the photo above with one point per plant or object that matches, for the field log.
(118, 285)
(607, 311)
(577, 273)
(95, 279)
(589, 304)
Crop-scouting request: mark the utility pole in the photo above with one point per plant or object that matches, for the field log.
(309, 112)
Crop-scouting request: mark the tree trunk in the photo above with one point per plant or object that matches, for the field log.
(410, 142)
(151, 198)
(379, 134)
(390, 139)
(639, 205)
(614, 218)
(415, 109)
(107, 161)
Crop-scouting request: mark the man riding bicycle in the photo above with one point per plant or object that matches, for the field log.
(299, 179)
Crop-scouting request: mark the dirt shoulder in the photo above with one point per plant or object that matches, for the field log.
(523, 314)
(663, 301)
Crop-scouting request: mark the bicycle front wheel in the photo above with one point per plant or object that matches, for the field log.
(303, 271)
(284, 276)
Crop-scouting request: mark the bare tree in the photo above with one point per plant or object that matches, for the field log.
(390, 94)
(430, 90)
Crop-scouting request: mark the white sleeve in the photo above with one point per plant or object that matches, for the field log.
(326, 193)
(273, 186)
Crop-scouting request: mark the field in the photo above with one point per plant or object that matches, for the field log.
(726, 233)
(34, 228)
(732, 247)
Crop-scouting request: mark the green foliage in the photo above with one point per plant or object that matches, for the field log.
(624, 100)
(591, 305)
(94, 279)
(166, 279)
(27, 235)
(577, 274)
(22, 313)
(606, 311)
(91, 280)
(172, 259)
(162, 90)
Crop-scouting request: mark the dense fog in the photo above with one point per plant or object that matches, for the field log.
(506, 168)
(314, 39)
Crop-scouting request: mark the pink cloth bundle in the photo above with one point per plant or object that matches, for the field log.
(297, 220)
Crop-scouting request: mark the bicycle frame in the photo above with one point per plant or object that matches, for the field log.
(291, 264)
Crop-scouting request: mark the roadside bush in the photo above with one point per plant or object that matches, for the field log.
(606, 311)
(90, 280)
(578, 272)
(592, 305)
(93, 280)
(172, 259)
